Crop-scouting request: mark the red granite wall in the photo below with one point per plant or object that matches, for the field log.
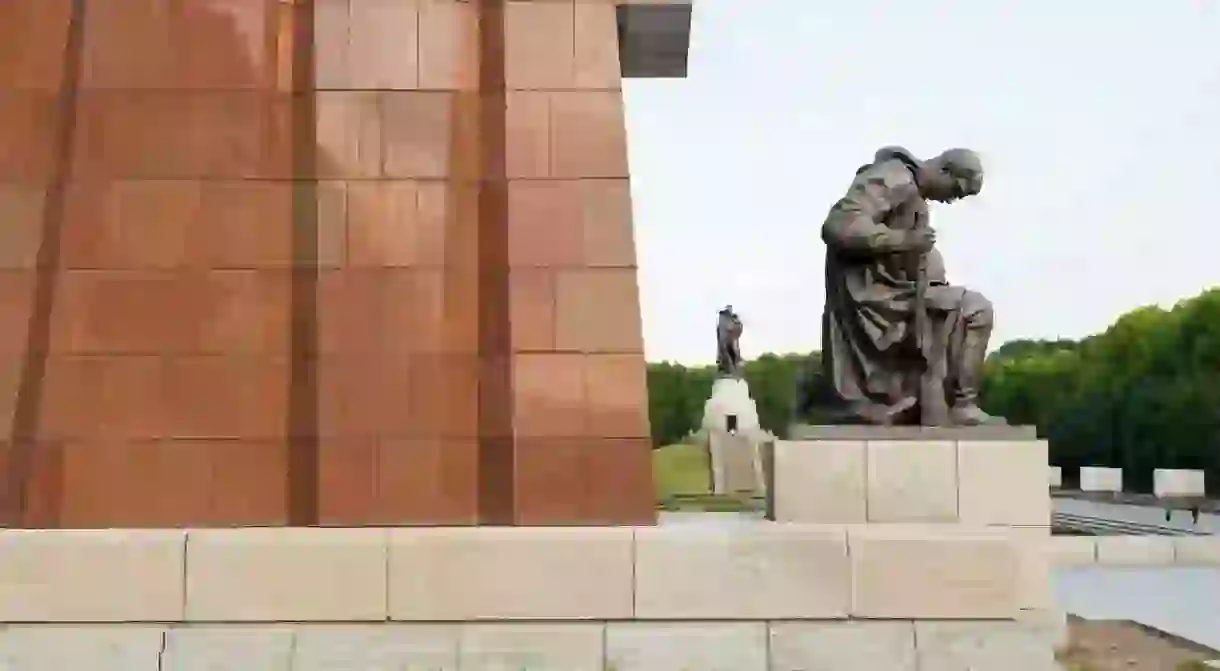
(333, 262)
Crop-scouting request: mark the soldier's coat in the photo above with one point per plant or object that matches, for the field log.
(867, 322)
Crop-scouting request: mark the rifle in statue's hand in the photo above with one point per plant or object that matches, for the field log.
(933, 409)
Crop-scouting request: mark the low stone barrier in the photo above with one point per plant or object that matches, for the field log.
(694, 596)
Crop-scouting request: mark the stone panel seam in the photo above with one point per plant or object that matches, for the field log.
(186, 547)
(387, 590)
(635, 558)
(867, 512)
(851, 565)
(915, 645)
(27, 406)
(161, 651)
(957, 480)
(301, 471)
(605, 630)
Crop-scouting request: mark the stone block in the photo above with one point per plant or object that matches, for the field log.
(1197, 550)
(993, 646)
(286, 575)
(1003, 483)
(929, 571)
(911, 481)
(1134, 550)
(686, 646)
(381, 646)
(228, 649)
(489, 573)
(1068, 551)
(1054, 477)
(736, 462)
(842, 646)
(755, 571)
(817, 482)
(98, 648)
(1034, 571)
(1171, 482)
(1099, 479)
(533, 646)
(111, 575)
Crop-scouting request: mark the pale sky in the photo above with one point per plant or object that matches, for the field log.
(1098, 122)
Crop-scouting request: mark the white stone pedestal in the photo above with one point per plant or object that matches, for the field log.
(730, 398)
(730, 422)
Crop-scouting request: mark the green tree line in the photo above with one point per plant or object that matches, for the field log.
(1143, 394)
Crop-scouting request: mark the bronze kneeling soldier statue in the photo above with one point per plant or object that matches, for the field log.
(900, 345)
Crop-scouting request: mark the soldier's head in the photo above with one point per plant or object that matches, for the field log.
(954, 174)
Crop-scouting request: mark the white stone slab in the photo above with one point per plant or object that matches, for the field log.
(534, 646)
(1069, 551)
(911, 481)
(933, 571)
(286, 575)
(1034, 572)
(89, 648)
(843, 646)
(1135, 550)
(1003, 483)
(686, 646)
(758, 571)
(819, 482)
(228, 649)
(985, 646)
(1196, 550)
(490, 573)
(102, 575)
(381, 646)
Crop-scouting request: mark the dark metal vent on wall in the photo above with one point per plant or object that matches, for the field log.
(653, 40)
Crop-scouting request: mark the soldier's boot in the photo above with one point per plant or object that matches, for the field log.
(965, 410)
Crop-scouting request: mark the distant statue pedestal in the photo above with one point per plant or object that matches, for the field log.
(734, 438)
(730, 408)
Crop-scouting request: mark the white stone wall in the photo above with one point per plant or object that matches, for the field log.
(764, 596)
(520, 646)
(905, 555)
(758, 571)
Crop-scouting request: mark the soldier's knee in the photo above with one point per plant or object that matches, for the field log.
(977, 310)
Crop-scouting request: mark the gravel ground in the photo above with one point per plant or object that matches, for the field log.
(1126, 646)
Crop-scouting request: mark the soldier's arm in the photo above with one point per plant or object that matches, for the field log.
(855, 222)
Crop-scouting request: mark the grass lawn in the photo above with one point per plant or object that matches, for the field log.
(680, 469)
(682, 478)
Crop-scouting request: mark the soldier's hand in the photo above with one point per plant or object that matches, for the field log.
(921, 240)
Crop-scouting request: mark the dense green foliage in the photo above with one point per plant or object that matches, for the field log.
(1143, 394)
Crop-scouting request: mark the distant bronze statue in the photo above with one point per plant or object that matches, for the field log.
(900, 344)
(728, 354)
